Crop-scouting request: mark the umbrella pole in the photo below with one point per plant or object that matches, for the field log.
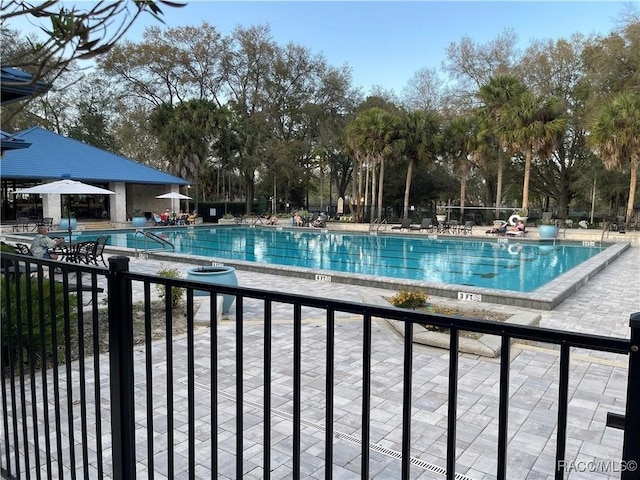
(69, 215)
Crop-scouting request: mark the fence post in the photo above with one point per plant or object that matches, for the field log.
(121, 370)
(631, 448)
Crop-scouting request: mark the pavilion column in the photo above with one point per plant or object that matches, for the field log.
(51, 207)
(118, 202)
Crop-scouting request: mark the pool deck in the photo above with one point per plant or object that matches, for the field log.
(601, 306)
(597, 386)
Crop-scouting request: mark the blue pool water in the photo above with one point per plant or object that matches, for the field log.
(473, 262)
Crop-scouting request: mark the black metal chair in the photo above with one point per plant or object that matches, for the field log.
(21, 225)
(23, 249)
(91, 252)
(467, 227)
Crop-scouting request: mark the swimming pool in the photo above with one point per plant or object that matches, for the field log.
(490, 264)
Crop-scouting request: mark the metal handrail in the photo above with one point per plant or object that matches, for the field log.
(376, 224)
(155, 238)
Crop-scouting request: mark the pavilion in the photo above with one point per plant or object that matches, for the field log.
(52, 156)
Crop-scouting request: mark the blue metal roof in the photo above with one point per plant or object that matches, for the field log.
(52, 155)
(17, 85)
(9, 142)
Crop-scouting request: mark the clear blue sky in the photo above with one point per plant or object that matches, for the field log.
(385, 42)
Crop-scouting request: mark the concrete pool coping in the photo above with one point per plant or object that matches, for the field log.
(546, 297)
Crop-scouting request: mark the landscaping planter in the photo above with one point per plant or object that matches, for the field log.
(547, 231)
(64, 223)
(139, 222)
(218, 275)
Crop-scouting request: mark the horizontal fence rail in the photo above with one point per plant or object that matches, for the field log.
(95, 389)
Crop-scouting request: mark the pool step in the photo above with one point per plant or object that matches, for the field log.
(96, 225)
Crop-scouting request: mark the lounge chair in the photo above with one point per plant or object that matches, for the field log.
(516, 233)
(499, 228)
(426, 224)
(321, 221)
(406, 225)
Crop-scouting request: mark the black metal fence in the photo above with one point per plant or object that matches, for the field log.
(95, 389)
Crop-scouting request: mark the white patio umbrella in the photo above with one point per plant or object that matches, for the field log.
(174, 196)
(66, 186)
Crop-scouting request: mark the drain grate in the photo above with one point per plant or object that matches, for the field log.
(345, 436)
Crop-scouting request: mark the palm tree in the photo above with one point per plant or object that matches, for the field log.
(373, 134)
(535, 124)
(496, 95)
(461, 141)
(615, 138)
(419, 138)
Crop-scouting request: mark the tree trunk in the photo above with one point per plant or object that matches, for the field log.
(463, 192)
(407, 189)
(374, 176)
(380, 188)
(499, 184)
(632, 190)
(527, 173)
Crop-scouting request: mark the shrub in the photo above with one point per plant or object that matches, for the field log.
(409, 299)
(32, 334)
(176, 293)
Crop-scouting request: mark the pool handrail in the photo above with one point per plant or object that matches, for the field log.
(162, 241)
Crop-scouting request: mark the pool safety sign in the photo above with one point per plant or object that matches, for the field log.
(472, 297)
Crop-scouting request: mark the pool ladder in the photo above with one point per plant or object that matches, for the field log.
(155, 238)
(375, 225)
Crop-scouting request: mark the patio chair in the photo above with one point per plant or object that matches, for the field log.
(45, 222)
(426, 224)
(467, 227)
(10, 267)
(405, 225)
(92, 252)
(23, 249)
(21, 225)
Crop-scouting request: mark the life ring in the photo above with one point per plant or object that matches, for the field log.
(513, 219)
(514, 249)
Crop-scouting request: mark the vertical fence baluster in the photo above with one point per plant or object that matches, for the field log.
(366, 395)
(121, 370)
(631, 446)
(407, 389)
(148, 357)
(503, 409)
(452, 419)
(266, 455)
(563, 399)
(239, 388)
(213, 352)
(297, 385)
(328, 439)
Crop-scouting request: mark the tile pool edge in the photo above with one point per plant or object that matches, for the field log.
(546, 297)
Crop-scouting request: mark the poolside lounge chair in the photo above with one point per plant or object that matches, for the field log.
(499, 227)
(517, 233)
(426, 224)
(406, 225)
